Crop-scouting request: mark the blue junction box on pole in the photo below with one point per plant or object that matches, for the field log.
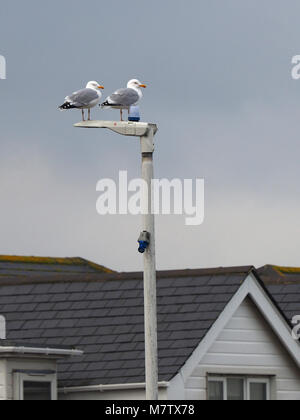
(134, 114)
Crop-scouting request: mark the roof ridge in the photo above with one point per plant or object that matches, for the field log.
(209, 271)
(54, 260)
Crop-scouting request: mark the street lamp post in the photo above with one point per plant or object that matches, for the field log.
(146, 132)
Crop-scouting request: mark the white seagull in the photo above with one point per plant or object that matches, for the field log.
(84, 99)
(125, 98)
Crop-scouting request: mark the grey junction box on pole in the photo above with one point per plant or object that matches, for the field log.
(146, 132)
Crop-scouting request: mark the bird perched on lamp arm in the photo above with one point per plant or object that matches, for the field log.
(84, 99)
(125, 98)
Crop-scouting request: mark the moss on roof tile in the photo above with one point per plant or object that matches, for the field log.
(76, 261)
(287, 270)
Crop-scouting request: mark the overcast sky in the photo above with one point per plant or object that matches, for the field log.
(220, 89)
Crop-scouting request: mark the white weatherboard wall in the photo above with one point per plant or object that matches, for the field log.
(247, 346)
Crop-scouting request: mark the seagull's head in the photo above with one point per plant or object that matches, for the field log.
(94, 85)
(135, 84)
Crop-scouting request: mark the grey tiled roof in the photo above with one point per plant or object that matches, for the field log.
(103, 316)
(287, 297)
(283, 283)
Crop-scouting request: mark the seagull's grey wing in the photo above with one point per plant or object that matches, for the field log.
(83, 97)
(123, 97)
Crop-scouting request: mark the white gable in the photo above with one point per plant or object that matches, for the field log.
(249, 338)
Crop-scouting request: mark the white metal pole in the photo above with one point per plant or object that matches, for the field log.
(146, 132)
(150, 304)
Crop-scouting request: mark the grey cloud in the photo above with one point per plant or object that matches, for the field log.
(220, 90)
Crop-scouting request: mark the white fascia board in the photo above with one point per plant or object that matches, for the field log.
(41, 351)
(252, 288)
(105, 388)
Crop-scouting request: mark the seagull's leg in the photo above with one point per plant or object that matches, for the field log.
(82, 112)
(89, 114)
(121, 112)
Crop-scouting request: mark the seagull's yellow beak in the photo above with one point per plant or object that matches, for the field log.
(143, 86)
(100, 87)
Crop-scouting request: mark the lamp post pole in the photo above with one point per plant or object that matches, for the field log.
(150, 305)
(146, 132)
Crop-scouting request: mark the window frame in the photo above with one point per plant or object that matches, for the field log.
(21, 377)
(247, 380)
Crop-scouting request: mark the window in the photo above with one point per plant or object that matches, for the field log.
(37, 391)
(34, 386)
(236, 388)
(258, 390)
(216, 390)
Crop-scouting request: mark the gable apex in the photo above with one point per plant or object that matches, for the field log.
(252, 288)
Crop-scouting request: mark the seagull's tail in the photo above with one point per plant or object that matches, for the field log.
(66, 105)
(105, 104)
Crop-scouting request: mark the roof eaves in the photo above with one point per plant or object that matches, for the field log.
(105, 388)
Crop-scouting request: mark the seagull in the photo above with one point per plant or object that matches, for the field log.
(125, 98)
(84, 99)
